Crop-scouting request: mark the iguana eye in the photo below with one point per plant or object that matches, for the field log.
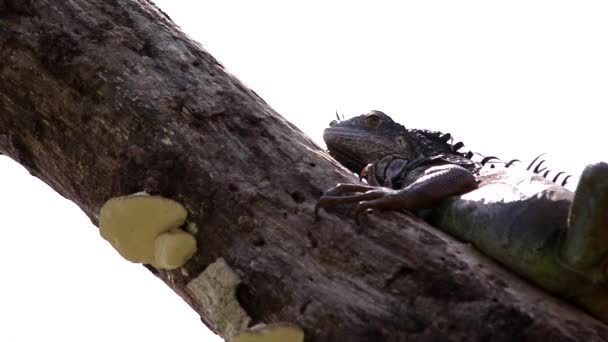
(401, 142)
(372, 120)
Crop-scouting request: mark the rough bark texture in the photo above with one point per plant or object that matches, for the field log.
(101, 98)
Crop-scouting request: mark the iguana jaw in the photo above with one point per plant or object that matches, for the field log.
(355, 149)
(351, 163)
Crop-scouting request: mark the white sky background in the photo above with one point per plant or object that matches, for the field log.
(512, 79)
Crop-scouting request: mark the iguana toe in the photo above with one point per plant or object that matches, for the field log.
(351, 193)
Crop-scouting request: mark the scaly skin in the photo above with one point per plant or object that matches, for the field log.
(542, 231)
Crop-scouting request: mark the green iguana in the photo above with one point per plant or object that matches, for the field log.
(542, 231)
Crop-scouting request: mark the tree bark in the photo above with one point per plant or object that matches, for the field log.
(102, 98)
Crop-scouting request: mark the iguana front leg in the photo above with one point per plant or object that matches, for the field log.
(435, 184)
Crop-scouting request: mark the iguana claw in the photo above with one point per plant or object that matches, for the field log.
(346, 193)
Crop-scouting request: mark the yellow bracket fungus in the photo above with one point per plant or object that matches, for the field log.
(144, 229)
(276, 332)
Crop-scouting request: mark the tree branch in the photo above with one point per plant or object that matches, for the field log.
(107, 98)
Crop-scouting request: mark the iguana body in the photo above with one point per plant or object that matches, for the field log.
(542, 231)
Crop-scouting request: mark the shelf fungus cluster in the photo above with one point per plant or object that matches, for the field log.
(145, 229)
(277, 332)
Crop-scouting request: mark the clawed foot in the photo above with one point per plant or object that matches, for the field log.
(368, 197)
(435, 184)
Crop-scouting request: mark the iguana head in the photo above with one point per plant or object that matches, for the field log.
(367, 138)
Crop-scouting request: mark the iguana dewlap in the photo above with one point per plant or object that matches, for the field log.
(542, 231)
